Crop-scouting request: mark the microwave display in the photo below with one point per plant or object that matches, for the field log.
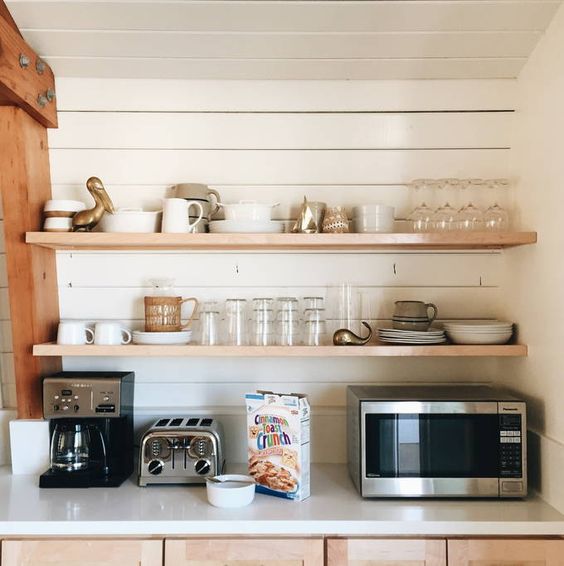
(432, 446)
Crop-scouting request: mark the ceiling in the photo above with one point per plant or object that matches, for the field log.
(256, 39)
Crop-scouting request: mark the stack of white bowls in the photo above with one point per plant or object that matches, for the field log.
(373, 218)
(247, 216)
(479, 332)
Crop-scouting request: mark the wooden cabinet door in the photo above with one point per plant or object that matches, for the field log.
(506, 552)
(386, 552)
(244, 552)
(76, 552)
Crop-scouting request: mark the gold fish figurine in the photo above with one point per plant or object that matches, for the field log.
(346, 337)
(85, 220)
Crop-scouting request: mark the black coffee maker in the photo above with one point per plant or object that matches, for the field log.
(91, 427)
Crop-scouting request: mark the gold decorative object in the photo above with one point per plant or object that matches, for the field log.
(336, 221)
(346, 337)
(310, 218)
(85, 220)
(162, 314)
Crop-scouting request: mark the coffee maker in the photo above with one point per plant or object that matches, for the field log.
(91, 428)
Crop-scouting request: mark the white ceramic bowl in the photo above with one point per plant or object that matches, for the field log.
(230, 495)
(373, 210)
(57, 224)
(59, 208)
(477, 338)
(372, 224)
(248, 211)
(131, 220)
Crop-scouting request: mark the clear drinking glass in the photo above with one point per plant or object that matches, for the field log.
(286, 304)
(348, 307)
(496, 219)
(209, 328)
(420, 216)
(236, 322)
(263, 303)
(287, 331)
(262, 327)
(314, 302)
(315, 325)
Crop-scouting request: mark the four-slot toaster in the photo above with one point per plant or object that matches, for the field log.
(181, 450)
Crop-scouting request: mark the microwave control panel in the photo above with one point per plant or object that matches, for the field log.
(510, 443)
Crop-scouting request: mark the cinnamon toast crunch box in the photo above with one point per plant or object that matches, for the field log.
(278, 433)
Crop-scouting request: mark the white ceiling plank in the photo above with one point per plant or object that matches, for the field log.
(379, 15)
(285, 131)
(147, 95)
(316, 69)
(274, 166)
(49, 43)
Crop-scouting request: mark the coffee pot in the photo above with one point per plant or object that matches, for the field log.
(71, 447)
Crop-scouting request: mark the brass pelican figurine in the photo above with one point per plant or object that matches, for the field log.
(346, 337)
(85, 220)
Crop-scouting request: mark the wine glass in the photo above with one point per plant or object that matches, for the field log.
(420, 216)
(496, 219)
(470, 217)
(445, 217)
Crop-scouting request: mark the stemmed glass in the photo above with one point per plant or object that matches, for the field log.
(470, 217)
(496, 219)
(420, 216)
(444, 219)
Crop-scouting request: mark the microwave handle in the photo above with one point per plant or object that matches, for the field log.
(429, 407)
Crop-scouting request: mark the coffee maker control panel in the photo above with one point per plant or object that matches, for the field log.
(81, 397)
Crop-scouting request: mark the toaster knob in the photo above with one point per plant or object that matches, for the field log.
(202, 467)
(155, 467)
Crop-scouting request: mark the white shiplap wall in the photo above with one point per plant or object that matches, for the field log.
(273, 39)
(342, 142)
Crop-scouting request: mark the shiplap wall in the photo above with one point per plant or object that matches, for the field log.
(344, 143)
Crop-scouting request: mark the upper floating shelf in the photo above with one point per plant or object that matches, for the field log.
(262, 242)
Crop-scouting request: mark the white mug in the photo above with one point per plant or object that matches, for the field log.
(74, 332)
(111, 333)
(176, 212)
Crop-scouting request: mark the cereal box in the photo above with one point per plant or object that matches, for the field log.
(278, 437)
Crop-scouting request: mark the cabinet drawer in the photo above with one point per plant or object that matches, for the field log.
(506, 552)
(244, 552)
(386, 552)
(77, 552)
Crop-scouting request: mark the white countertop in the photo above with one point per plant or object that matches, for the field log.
(334, 508)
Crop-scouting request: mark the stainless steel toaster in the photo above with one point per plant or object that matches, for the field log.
(181, 450)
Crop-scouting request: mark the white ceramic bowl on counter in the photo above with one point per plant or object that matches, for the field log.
(248, 211)
(232, 490)
(60, 208)
(131, 220)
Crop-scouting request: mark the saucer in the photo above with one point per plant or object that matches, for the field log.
(162, 338)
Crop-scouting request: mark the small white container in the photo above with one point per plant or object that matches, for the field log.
(133, 220)
(228, 494)
(248, 211)
(58, 208)
(57, 224)
(373, 218)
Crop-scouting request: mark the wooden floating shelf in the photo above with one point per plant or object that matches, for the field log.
(264, 242)
(52, 349)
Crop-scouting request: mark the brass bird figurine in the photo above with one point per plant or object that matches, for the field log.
(85, 220)
(346, 337)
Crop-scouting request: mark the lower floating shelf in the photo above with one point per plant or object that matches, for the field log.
(373, 350)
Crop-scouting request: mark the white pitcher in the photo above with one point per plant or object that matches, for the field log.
(176, 215)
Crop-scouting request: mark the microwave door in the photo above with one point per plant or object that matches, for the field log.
(410, 450)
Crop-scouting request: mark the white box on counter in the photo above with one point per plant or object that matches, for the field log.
(278, 433)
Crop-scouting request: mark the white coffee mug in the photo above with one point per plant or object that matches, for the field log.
(74, 332)
(111, 333)
(176, 213)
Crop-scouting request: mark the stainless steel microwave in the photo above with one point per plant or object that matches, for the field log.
(436, 441)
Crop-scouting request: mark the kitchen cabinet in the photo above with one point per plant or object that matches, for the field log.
(513, 552)
(244, 552)
(76, 552)
(386, 552)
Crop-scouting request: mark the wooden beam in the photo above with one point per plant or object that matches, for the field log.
(25, 185)
(5, 13)
(24, 86)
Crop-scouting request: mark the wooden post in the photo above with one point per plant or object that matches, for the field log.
(25, 185)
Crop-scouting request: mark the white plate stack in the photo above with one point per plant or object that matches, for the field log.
(162, 338)
(479, 332)
(415, 337)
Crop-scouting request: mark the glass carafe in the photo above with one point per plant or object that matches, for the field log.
(71, 447)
